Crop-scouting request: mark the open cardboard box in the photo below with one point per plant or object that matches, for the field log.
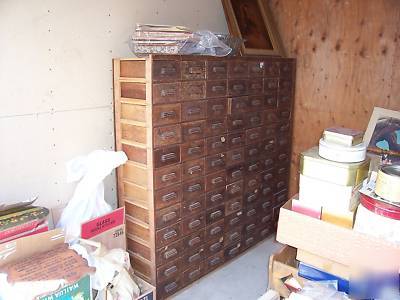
(338, 244)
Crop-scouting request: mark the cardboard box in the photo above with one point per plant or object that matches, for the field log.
(341, 245)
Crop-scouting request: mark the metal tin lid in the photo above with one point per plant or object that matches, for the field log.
(388, 183)
(380, 208)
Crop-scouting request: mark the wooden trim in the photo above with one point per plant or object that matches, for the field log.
(133, 101)
(135, 80)
(134, 144)
(135, 123)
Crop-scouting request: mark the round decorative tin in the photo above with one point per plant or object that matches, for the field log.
(341, 153)
(388, 183)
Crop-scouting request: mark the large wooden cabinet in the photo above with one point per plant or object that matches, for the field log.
(208, 141)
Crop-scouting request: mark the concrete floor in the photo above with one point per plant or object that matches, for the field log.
(245, 277)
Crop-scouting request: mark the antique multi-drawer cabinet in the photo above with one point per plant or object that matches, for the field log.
(208, 142)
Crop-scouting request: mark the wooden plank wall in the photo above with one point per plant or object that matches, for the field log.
(348, 61)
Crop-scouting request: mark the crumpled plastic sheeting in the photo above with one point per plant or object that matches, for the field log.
(88, 201)
(205, 42)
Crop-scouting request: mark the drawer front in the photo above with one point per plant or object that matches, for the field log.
(271, 69)
(232, 251)
(251, 227)
(214, 246)
(253, 151)
(266, 219)
(193, 90)
(256, 69)
(256, 102)
(193, 130)
(250, 214)
(193, 206)
(234, 190)
(215, 214)
(193, 169)
(193, 223)
(214, 261)
(193, 70)
(266, 192)
(233, 220)
(194, 240)
(166, 114)
(254, 135)
(234, 157)
(235, 173)
(168, 216)
(268, 177)
(256, 86)
(193, 188)
(270, 84)
(216, 88)
(167, 156)
(283, 158)
(236, 139)
(168, 287)
(217, 69)
(216, 144)
(281, 187)
(284, 100)
(215, 162)
(194, 256)
(254, 167)
(282, 170)
(167, 135)
(168, 196)
(250, 241)
(269, 146)
(252, 197)
(283, 142)
(193, 273)
(238, 87)
(236, 122)
(238, 105)
(233, 236)
(271, 116)
(252, 182)
(233, 206)
(284, 114)
(216, 127)
(168, 235)
(169, 253)
(265, 232)
(255, 119)
(285, 85)
(194, 149)
(271, 131)
(170, 270)
(266, 205)
(215, 197)
(215, 180)
(195, 110)
(166, 70)
(270, 99)
(238, 69)
(166, 93)
(286, 69)
(167, 176)
(215, 230)
(284, 127)
(217, 108)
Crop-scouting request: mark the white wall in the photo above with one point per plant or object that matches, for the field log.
(56, 82)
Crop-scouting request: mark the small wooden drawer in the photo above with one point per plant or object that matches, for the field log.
(216, 88)
(252, 196)
(234, 157)
(167, 176)
(286, 68)
(168, 235)
(193, 150)
(265, 232)
(193, 130)
(233, 220)
(271, 69)
(217, 69)
(266, 219)
(284, 127)
(268, 176)
(256, 86)
(238, 105)
(281, 185)
(233, 236)
(238, 87)
(253, 167)
(192, 90)
(193, 206)
(254, 119)
(270, 84)
(215, 127)
(193, 168)
(249, 241)
(253, 151)
(250, 213)
(193, 188)
(266, 206)
(168, 196)
(216, 144)
(193, 223)
(166, 70)
(167, 135)
(283, 158)
(215, 162)
(194, 240)
(281, 197)
(193, 256)
(193, 273)
(271, 116)
(195, 110)
(215, 230)
(285, 85)
(233, 206)
(214, 261)
(254, 135)
(170, 270)
(217, 108)
(215, 214)
(270, 131)
(235, 173)
(250, 227)
(168, 216)
(215, 197)
(256, 69)
(234, 190)
(215, 180)
(236, 122)
(282, 170)
(232, 251)
(284, 100)
(283, 142)
(166, 93)
(169, 253)
(252, 182)
(167, 156)
(238, 69)
(269, 146)
(166, 114)
(256, 102)
(270, 99)
(169, 287)
(284, 114)
(269, 162)
(267, 190)
(193, 70)
(236, 139)
(214, 246)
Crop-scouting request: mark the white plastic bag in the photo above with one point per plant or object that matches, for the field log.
(88, 201)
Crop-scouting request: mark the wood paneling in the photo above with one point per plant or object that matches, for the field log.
(348, 61)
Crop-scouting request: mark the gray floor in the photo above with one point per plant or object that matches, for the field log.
(245, 277)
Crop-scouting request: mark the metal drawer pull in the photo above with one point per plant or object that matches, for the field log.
(170, 287)
(253, 167)
(253, 151)
(282, 157)
(233, 251)
(215, 247)
(194, 188)
(195, 70)
(281, 170)
(250, 227)
(196, 89)
(237, 122)
(269, 147)
(271, 117)
(194, 111)
(169, 216)
(215, 230)
(217, 144)
(218, 88)
(194, 257)
(234, 221)
(167, 70)
(214, 261)
(266, 191)
(235, 205)
(272, 85)
(168, 156)
(236, 140)
(252, 182)
(283, 142)
(170, 234)
(216, 107)
(194, 274)
(194, 206)
(217, 125)
(194, 150)
(285, 114)
(256, 86)
(240, 105)
(167, 134)
(194, 224)
(217, 162)
(170, 271)
(266, 219)
(167, 114)
(249, 241)
(216, 214)
(284, 99)
(284, 127)
(271, 100)
(269, 131)
(168, 177)
(238, 87)
(217, 180)
(167, 92)
(265, 232)
(235, 189)
(251, 212)
(252, 197)
(254, 135)
(236, 174)
(239, 69)
(255, 120)
(257, 69)
(267, 176)
(282, 197)
(236, 156)
(170, 253)
(194, 241)
(194, 130)
(169, 196)
(234, 236)
(216, 197)
(268, 162)
(194, 169)
(218, 69)
(266, 205)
